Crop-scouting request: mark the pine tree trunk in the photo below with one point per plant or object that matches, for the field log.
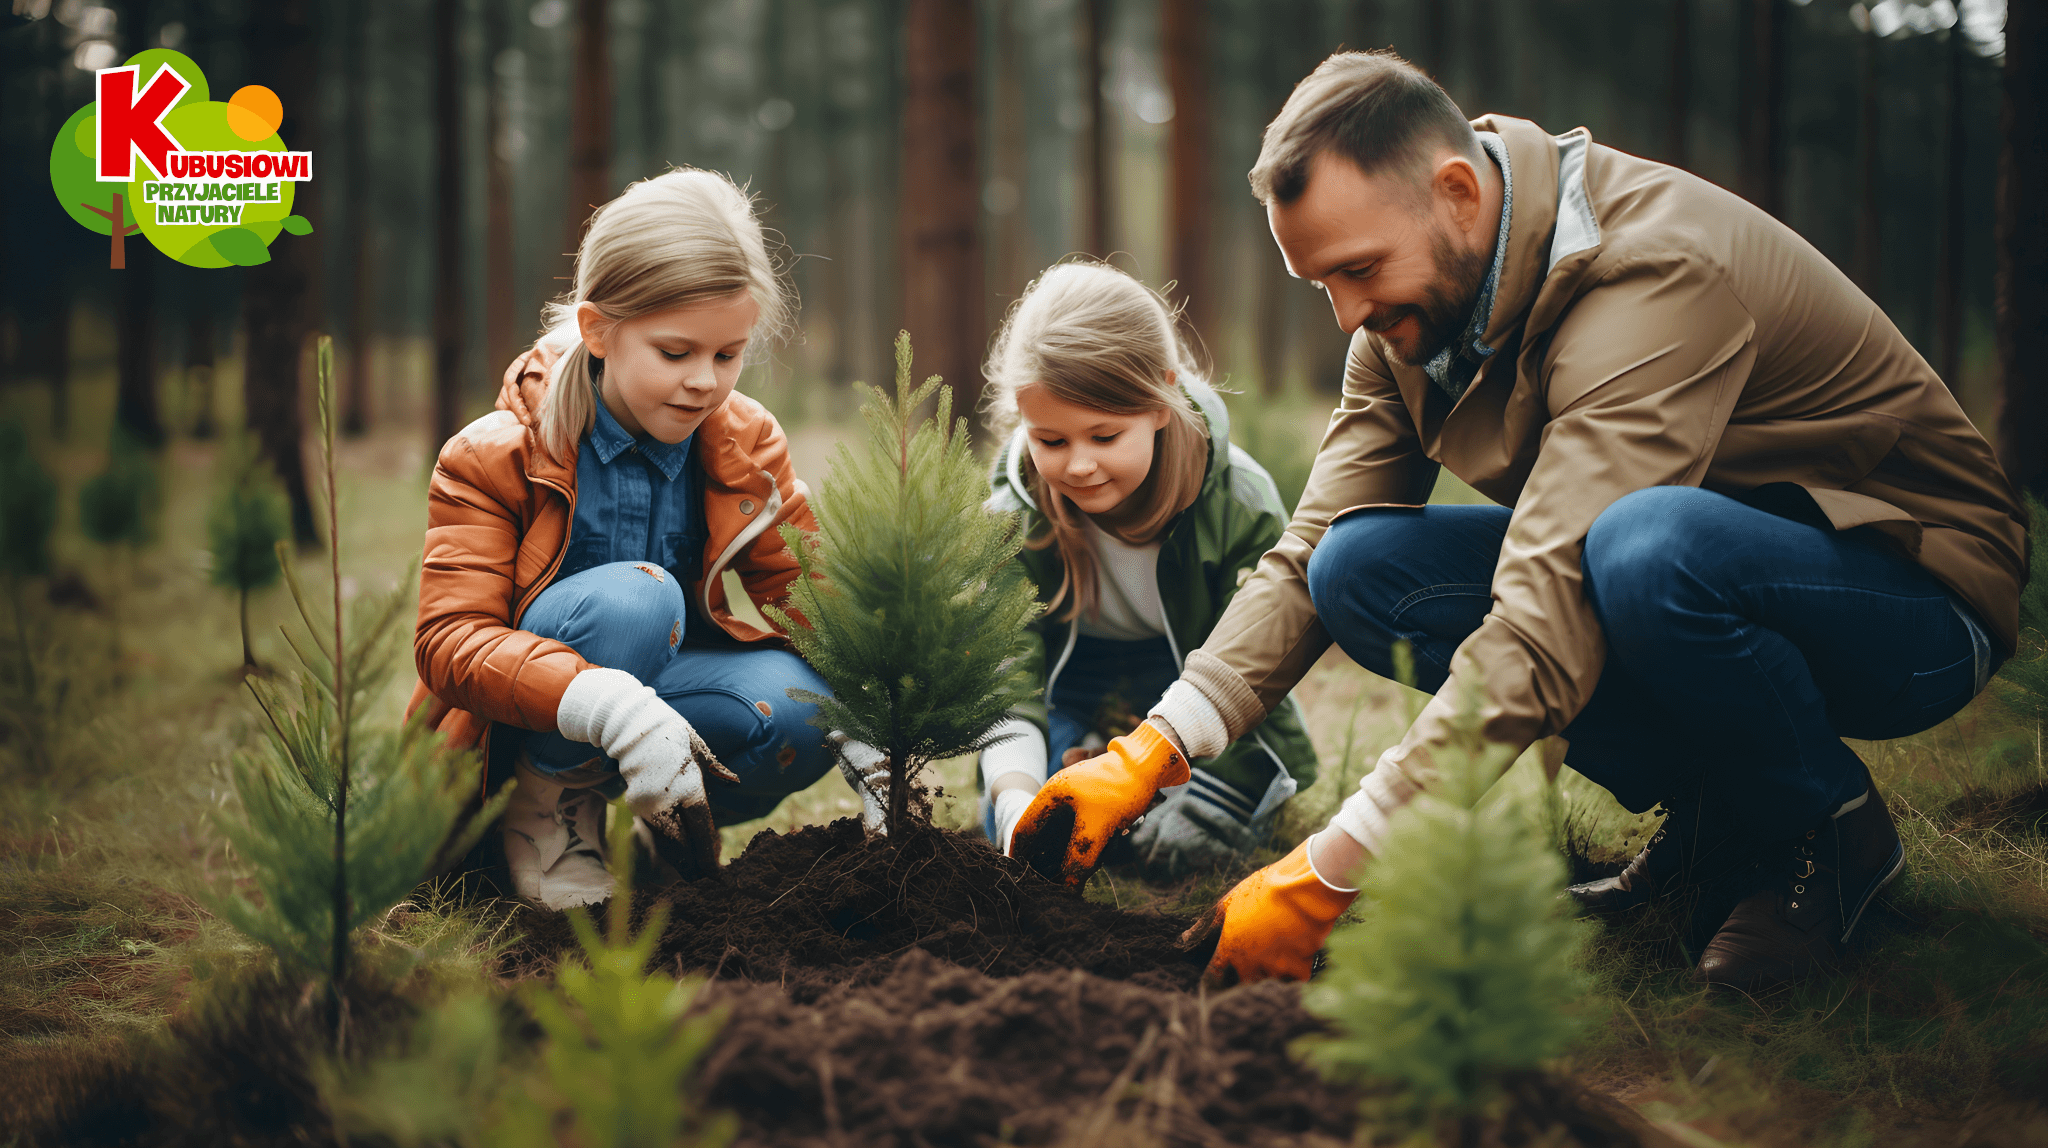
(1760, 107)
(277, 296)
(450, 319)
(1100, 208)
(1184, 31)
(58, 357)
(2022, 243)
(199, 362)
(135, 401)
(899, 793)
(1678, 93)
(1948, 291)
(357, 413)
(1869, 217)
(590, 118)
(248, 658)
(500, 301)
(939, 220)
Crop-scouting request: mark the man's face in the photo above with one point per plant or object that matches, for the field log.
(1405, 263)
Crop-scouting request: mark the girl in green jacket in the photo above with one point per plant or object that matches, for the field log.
(1141, 520)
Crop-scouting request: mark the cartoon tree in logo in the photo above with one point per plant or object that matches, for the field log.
(247, 122)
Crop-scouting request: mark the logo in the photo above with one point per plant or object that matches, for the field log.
(209, 184)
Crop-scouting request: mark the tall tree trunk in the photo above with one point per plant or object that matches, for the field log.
(1364, 25)
(199, 356)
(939, 241)
(1436, 40)
(450, 315)
(1185, 34)
(1100, 205)
(135, 400)
(57, 354)
(1948, 288)
(500, 301)
(1678, 90)
(654, 109)
(2022, 244)
(590, 123)
(357, 409)
(1761, 102)
(1869, 216)
(278, 295)
(1489, 80)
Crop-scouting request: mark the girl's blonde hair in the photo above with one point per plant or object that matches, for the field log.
(679, 239)
(1094, 336)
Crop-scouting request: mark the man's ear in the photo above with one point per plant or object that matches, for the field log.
(1455, 185)
(593, 326)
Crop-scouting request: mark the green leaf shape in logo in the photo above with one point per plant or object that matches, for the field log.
(72, 179)
(204, 127)
(298, 225)
(240, 246)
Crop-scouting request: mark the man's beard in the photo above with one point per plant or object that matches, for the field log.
(1447, 308)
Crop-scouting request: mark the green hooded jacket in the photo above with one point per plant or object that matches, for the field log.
(1207, 552)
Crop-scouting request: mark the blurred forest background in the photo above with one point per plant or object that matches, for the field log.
(923, 159)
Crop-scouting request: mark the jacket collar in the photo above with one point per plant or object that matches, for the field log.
(719, 453)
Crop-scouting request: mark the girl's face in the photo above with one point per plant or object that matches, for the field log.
(1095, 458)
(665, 371)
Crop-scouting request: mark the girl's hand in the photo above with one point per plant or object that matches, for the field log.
(660, 757)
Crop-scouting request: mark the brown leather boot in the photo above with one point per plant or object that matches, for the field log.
(1802, 918)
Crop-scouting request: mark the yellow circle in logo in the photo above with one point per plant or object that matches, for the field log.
(255, 112)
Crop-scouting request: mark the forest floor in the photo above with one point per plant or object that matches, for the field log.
(1934, 1032)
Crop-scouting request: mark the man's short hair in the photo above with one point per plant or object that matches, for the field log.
(1373, 108)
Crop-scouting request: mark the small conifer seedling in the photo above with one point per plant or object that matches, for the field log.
(249, 517)
(1464, 968)
(909, 604)
(339, 820)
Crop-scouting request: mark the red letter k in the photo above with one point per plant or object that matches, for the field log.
(125, 126)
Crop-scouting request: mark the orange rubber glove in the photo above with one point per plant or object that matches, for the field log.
(1082, 807)
(1271, 924)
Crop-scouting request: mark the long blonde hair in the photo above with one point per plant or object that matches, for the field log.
(1094, 336)
(681, 238)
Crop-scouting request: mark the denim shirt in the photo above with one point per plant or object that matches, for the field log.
(637, 500)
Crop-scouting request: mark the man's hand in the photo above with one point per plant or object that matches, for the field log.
(1081, 808)
(1272, 923)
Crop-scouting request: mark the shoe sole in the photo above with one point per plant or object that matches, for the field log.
(1896, 866)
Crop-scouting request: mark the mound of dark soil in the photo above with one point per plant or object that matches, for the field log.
(936, 1054)
(826, 907)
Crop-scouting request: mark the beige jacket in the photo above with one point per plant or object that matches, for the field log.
(1650, 329)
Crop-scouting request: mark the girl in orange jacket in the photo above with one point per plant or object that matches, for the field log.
(573, 620)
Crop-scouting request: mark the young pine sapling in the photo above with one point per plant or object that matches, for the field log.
(1463, 968)
(117, 508)
(249, 517)
(909, 604)
(340, 819)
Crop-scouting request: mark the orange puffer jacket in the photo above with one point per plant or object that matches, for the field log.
(498, 515)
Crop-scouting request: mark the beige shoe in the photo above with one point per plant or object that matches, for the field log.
(554, 842)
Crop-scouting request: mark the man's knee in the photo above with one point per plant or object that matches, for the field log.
(1646, 537)
(1351, 553)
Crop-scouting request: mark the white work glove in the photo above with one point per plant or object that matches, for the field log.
(1018, 747)
(866, 770)
(660, 758)
(1196, 826)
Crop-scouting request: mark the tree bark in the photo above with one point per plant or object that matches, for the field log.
(199, 358)
(135, 398)
(1948, 285)
(1678, 93)
(450, 314)
(357, 408)
(278, 295)
(2022, 223)
(1869, 203)
(1760, 104)
(1185, 32)
(590, 131)
(939, 240)
(500, 301)
(1101, 237)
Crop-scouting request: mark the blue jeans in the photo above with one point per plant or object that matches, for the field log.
(622, 617)
(1741, 645)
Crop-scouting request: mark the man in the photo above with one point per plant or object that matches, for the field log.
(1740, 519)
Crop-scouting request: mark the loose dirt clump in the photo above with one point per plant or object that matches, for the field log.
(826, 907)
